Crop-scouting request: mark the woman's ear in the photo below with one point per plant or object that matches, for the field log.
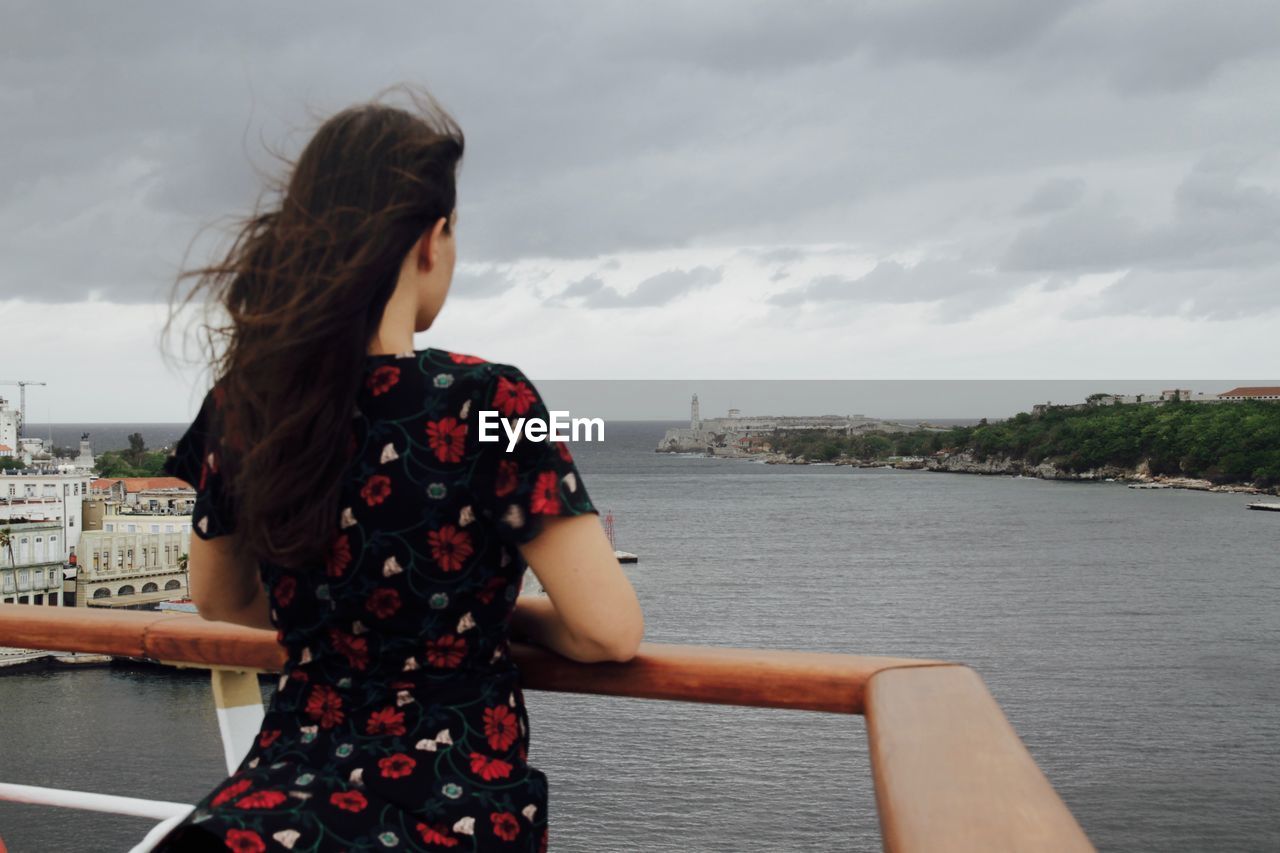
(429, 243)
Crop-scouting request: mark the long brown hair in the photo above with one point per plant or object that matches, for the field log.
(304, 285)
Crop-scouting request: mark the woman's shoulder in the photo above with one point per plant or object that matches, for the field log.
(468, 366)
(441, 370)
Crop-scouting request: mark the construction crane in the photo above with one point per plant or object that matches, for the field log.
(22, 394)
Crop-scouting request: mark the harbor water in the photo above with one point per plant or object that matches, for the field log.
(1132, 638)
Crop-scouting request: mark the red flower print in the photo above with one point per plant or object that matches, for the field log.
(376, 490)
(383, 603)
(506, 484)
(438, 835)
(562, 447)
(500, 727)
(459, 358)
(395, 766)
(512, 398)
(339, 556)
(488, 768)
(324, 705)
(450, 547)
(261, 800)
(388, 721)
(231, 792)
(354, 649)
(204, 474)
(446, 652)
(505, 825)
(491, 589)
(381, 380)
(546, 494)
(267, 738)
(284, 590)
(245, 841)
(350, 801)
(542, 845)
(447, 438)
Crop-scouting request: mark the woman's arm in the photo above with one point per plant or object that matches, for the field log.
(224, 586)
(591, 612)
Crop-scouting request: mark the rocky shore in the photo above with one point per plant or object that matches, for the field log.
(966, 463)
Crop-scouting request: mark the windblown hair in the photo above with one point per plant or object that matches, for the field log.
(304, 285)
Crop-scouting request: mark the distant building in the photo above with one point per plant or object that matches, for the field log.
(1252, 392)
(9, 420)
(727, 434)
(46, 496)
(154, 494)
(135, 561)
(31, 563)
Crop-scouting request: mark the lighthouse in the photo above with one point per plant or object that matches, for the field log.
(695, 420)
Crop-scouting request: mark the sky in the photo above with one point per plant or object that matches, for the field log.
(896, 190)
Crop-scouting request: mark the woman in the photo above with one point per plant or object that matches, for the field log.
(344, 500)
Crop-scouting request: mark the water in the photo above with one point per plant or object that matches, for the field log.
(1130, 636)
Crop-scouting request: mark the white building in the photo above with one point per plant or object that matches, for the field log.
(46, 497)
(9, 417)
(137, 560)
(32, 562)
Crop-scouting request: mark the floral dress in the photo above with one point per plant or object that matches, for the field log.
(399, 722)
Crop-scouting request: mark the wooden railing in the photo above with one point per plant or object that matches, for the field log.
(950, 773)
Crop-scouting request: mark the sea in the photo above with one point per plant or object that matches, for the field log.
(1132, 638)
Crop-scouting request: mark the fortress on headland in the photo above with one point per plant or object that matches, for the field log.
(733, 435)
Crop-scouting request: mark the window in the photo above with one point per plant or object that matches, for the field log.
(133, 528)
(111, 528)
(155, 528)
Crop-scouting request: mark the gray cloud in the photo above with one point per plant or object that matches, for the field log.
(480, 284)
(889, 127)
(656, 290)
(1218, 221)
(952, 282)
(1053, 195)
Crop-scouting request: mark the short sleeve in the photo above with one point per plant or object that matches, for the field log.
(517, 489)
(195, 460)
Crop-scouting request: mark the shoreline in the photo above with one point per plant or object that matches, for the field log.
(965, 463)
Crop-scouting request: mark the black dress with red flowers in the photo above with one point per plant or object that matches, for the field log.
(399, 722)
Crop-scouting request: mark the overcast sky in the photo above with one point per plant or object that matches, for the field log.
(887, 190)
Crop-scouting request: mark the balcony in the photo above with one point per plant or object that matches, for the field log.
(950, 773)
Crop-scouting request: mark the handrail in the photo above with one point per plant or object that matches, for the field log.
(950, 773)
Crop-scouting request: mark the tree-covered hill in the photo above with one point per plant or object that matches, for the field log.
(1223, 442)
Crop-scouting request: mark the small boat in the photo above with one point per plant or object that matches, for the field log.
(623, 556)
(1273, 506)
